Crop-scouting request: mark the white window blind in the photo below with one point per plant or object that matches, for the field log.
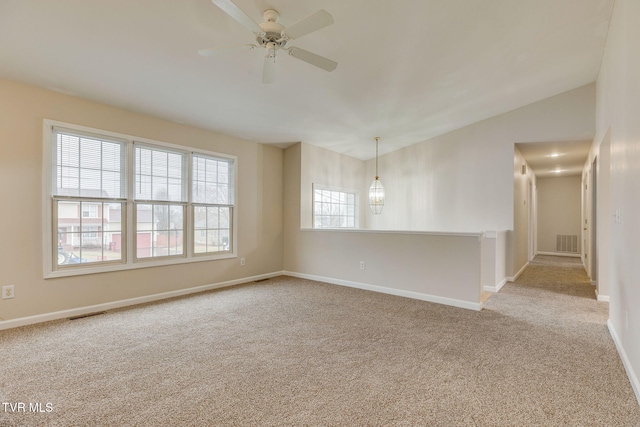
(159, 174)
(88, 165)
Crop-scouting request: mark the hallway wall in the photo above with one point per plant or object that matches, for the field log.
(518, 242)
(559, 201)
(617, 112)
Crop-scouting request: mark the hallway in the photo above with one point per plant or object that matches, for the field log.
(552, 307)
(559, 274)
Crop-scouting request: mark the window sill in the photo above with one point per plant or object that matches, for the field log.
(81, 271)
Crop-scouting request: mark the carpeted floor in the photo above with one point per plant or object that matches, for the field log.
(296, 352)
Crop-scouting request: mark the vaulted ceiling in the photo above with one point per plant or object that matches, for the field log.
(407, 70)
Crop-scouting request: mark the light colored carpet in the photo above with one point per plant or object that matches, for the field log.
(296, 352)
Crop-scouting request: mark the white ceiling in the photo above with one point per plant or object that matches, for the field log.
(408, 70)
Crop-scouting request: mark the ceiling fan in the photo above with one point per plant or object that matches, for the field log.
(275, 37)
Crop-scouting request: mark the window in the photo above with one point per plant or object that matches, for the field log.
(333, 208)
(212, 193)
(117, 202)
(160, 201)
(87, 182)
(89, 210)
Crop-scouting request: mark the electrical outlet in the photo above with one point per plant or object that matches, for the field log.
(242, 261)
(8, 292)
(361, 265)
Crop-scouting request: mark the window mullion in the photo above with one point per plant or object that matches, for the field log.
(188, 226)
(131, 229)
(79, 168)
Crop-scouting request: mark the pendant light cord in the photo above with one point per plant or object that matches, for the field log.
(377, 139)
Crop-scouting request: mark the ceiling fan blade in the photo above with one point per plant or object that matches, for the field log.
(311, 23)
(220, 50)
(236, 13)
(269, 69)
(313, 59)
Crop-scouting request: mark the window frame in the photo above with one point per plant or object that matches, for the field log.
(204, 204)
(185, 202)
(129, 260)
(356, 193)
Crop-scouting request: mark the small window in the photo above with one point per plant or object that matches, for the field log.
(334, 208)
(89, 210)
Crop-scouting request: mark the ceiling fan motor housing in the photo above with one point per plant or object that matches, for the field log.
(272, 30)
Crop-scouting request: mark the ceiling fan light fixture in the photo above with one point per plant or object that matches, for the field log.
(376, 190)
(274, 36)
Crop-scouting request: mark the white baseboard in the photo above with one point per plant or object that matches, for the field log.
(602, 298)
(399, 292)
(495, 288)
(558, 254)
(39, 318)
(514, 278)
(633, 378)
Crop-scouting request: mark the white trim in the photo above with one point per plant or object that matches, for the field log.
(633, 378)
(47, 218)
(514, 278)
(495, 288)
(479, 235)
(106, 268)
(398, 292)
(558, 254)
(79, 311)
(602, 298)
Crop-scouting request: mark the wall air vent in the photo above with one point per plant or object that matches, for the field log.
(567, 243)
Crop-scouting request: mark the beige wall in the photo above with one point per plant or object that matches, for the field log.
(559, 210)
(618, 110)
(519, 249)
(493, 265)
(22, 110)
(292, 206)
(604, 222)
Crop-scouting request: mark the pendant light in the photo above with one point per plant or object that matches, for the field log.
(376, 191)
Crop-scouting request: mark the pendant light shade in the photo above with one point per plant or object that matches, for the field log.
(376, 190)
